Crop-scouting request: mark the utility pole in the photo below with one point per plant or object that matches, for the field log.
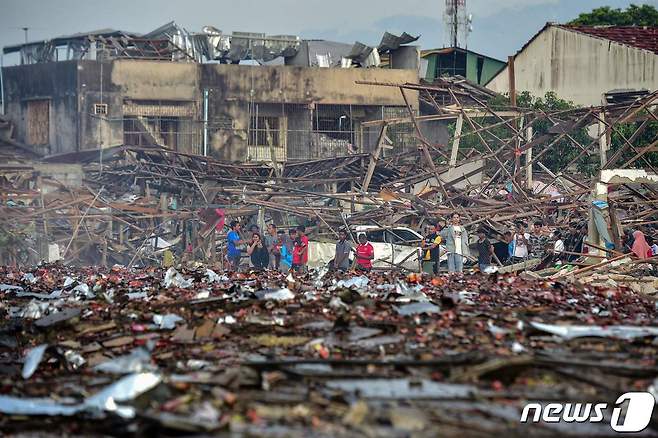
(25, 29)
(455, 23)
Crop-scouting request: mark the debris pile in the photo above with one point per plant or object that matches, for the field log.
(130, 205)
(155, 351)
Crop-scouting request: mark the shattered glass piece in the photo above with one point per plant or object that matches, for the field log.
(495, 330)
(32, 360)
(196, 364)
(358, 332)
(136, 295)
(74, 359)
(623, 332)
(57, 317)
(205, 293)
(6, 287)
(228, 319)
(279, 295)
(68, 281)
(467, 297)
(35, 406)
(173, 278)
(33, 310)
(337, 303)
(402, 388)
(166, 322)
(213, 277)
(355, 282)
(33, 295)
(29, 278)
(410, 293)
(379, 341)
(125, 389)
(84, 290)
(417, 308)
(320, 273)
(139, 360)
(206, 414)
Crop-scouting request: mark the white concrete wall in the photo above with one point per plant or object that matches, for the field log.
(579, 67)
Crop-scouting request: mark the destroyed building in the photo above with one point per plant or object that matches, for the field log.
(581, 63)
(192, 93)
(455, 61)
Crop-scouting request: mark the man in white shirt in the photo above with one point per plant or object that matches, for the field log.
(456, 241)
(520, 242)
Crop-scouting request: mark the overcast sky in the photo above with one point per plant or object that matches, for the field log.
(501, 27)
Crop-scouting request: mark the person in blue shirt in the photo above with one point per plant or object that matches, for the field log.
(233, 254)
(286, 259)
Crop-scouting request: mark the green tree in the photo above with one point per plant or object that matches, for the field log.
(644, 15)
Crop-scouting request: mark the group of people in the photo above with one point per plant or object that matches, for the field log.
(273, 250)
(283, 251)
(454, 237)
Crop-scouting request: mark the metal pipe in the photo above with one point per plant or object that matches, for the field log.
(2, 84)
(205, 122)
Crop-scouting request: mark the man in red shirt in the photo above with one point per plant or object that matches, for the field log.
(365, 253)
(300, 250)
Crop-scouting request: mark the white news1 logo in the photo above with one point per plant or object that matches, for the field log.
(638, 414)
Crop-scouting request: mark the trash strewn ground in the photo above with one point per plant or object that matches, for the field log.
(196, 351)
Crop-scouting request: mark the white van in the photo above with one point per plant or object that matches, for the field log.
(392, 246)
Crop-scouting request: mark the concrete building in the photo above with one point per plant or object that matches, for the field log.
(581, 63)
(455, 61)
(227, 110)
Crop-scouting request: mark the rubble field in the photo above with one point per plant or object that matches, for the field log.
(148, 352)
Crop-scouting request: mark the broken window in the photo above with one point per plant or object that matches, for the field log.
(38, 122)
(264, 131)
(375, 236)
(334, 121)
(171, 124)
(100, 109)
(451, 64)
(333, 130)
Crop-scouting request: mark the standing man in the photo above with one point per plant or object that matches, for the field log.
(233, 254)
(431, 250)
(456, 239)
(290, 241)
(485, 251)
(520, 244)
(365, 253)
(271, 239)
(342, 256)
(538, 241)
(558, 247)
(300, 250)
(501, 247)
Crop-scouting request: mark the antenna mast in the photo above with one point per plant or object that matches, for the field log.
(457, 22)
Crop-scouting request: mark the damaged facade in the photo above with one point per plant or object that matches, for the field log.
(581, 63)
(153, 91)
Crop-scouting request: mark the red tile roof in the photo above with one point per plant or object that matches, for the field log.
(635, 36)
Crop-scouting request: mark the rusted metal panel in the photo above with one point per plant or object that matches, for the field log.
(38, 122)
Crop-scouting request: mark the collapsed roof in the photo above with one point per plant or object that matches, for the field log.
(175, 43)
